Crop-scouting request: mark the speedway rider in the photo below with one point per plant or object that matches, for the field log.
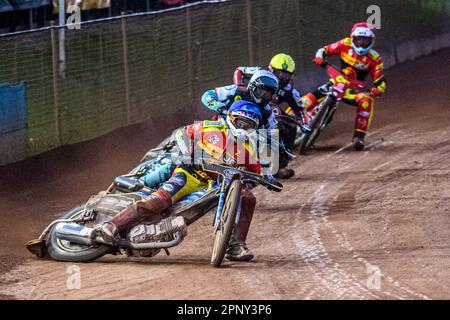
(358, 58)
(260, 90)
(225, 140)
(283, 67)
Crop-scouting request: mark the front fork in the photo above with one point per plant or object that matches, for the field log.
(330, 104)
(329, 115)
(219, 210)
(223, 194)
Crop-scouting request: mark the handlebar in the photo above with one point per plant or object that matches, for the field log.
(338, 69)
(328, 64)
(244, 175)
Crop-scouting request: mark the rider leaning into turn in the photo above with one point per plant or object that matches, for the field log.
(358, 58)
(283, 67)
(209, 140)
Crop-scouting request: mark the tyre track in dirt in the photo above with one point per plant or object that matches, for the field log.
(329, 272)
(348, 191)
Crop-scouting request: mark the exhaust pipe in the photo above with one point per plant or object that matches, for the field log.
(76, 233)
(87, 236)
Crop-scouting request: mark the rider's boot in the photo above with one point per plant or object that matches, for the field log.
(149, 210)
(358, 140)
(239, 252)
(285, 173)
(237, 249)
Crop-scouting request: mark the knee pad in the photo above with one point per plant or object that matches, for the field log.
(364, 112)
(364, 101)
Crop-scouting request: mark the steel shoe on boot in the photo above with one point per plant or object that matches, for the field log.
(358, 141)
(239, 252)
(285, 173)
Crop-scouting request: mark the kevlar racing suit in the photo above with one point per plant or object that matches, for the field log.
(370, 63)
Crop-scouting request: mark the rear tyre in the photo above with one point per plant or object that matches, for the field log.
(63, 250)
(227, 222)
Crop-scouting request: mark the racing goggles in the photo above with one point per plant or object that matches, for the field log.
(362, 42)
(244, 122)
(264, 93)
(283, 76)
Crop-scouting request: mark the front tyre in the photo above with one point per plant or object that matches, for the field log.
(227, 221)
(316, 126)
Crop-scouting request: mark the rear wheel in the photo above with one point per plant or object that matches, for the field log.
(63, 250)
(227, 222)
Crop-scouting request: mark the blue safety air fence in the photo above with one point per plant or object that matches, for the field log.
(13, 120)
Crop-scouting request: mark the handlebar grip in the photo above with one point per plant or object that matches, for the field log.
(277, 187)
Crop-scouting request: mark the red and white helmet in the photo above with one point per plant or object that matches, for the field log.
(363, 37)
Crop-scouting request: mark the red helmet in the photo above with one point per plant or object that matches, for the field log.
(363, 25)
(363, 37)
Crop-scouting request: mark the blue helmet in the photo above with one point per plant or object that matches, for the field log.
(243, 116)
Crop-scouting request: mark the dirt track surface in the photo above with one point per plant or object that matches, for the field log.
(345, 216)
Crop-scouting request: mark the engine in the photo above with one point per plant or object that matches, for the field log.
(159, 232)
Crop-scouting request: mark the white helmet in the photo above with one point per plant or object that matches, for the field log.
(262, 86)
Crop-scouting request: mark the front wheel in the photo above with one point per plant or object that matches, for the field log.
(317, 125)
(227, 221)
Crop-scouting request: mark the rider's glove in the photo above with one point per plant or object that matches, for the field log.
(306, 128)
(319, 61)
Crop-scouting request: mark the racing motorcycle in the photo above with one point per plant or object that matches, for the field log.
(73, 237)
(323, 113)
